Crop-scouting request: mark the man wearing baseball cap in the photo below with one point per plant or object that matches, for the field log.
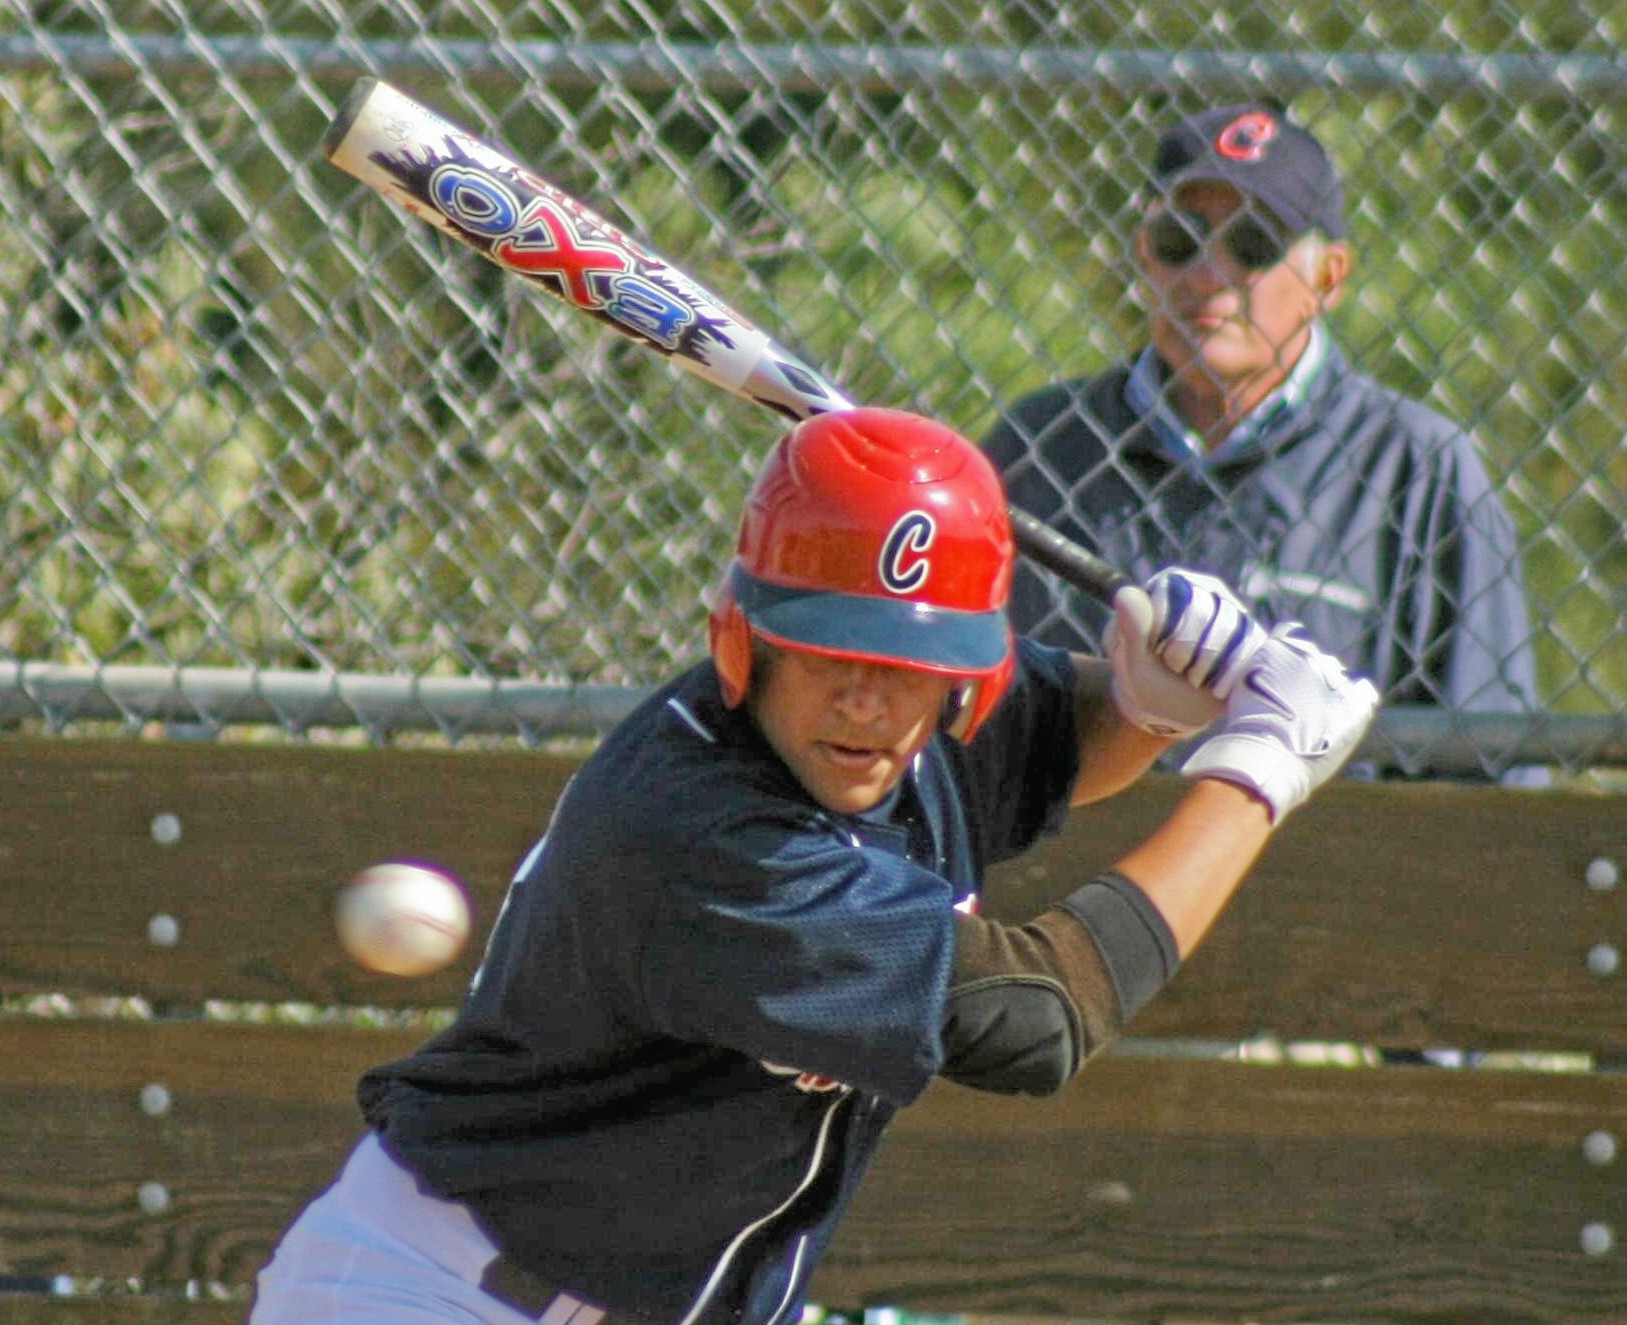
(1240, 441)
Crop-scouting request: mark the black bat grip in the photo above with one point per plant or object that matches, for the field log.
(1084, 570)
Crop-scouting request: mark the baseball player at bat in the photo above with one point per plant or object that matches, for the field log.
(749, 935)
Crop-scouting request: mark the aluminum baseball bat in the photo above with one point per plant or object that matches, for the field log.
(482, 198)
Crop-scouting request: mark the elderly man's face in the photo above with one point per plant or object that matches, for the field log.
(1222, 315)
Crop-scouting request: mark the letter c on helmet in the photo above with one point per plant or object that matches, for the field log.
(904, 566)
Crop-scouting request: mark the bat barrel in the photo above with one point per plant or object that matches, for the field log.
(482, 198)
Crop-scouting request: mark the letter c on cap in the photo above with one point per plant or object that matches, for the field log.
(1247, 137)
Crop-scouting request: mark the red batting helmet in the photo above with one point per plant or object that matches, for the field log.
(877, 536)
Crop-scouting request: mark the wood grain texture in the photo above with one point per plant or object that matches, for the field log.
(1220, 1191)
(1394, 914)
(268, 835)
(259, 1119)
(1148, 1189)
(124, 1309)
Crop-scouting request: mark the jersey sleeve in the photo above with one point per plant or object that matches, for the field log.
(788, 941)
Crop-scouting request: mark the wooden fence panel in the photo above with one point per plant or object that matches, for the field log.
(127, 1309)
(1151, 1189)
(1224, 1191)
(1394, 913)
(168, 1152)
(1148, 1187)
(267, 834)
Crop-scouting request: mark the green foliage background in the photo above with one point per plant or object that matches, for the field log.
(248, 417)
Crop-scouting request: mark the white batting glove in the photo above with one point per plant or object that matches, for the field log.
(1177, 650)
(1290, 725)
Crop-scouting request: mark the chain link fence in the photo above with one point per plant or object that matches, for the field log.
(276, 454)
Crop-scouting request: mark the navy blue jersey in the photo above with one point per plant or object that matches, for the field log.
(705, 997)
(1364, 514)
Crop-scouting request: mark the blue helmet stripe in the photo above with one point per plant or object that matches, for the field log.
(879, 629)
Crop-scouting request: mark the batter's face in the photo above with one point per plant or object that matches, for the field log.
(847, 730)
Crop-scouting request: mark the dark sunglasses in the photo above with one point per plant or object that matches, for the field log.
(1176, 238)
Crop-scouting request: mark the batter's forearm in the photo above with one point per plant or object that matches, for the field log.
(1113, 753)
(1193, 864)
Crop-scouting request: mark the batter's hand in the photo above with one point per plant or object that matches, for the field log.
(1291, 724)
(1177, 650)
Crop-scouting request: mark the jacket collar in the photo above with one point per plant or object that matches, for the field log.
(1268, 425)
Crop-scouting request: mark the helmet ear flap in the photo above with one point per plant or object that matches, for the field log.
(731, 647)
(972, 703)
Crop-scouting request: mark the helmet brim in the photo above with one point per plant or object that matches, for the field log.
(894, 631)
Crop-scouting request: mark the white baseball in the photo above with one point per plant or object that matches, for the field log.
(403, 919)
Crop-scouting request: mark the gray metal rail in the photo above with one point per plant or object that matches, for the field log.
(1444, 742)
(808, 68)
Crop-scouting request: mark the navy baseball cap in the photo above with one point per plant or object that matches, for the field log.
(1263, 155)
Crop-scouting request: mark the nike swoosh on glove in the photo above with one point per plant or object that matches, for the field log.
(1290, 725)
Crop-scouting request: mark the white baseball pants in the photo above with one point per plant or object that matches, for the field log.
(375, 1250)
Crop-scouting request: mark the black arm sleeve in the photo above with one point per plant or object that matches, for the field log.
(1028, 1004)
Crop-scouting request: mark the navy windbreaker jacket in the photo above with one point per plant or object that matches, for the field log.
(1365, 515)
